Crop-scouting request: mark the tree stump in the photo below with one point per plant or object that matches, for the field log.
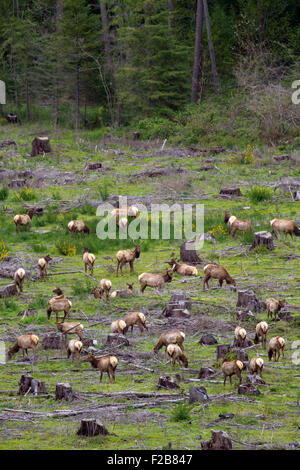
(13, 118)
(40, 145)
(206, 372)
(92, 166)
(64, 391)
(285, 315)
(222, 350)
(165, 381)
(208, 340)
(178, 306)
(7, 143)
(28, 383)
(116, 339)
(53, 341)
(248, 301)
(248, 389)
(91, 428)
(263, 238)
(188, 252)
(198, 394)
(241, 355)
(231, 191)
(219, 441)
(8, 291)
(296, 195)
(255, 380)
(244, 315)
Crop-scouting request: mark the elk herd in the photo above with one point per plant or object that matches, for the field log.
(172, 340)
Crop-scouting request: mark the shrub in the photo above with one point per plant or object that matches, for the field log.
(259, 194)
(245, 158)
(26, 194)
(4, 193)
(181, 412)
(66, 248)
(3, 250)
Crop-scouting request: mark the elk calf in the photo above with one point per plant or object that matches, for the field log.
(123, 293)
(106, 364)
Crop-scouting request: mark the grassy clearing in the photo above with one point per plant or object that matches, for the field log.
(270, 418)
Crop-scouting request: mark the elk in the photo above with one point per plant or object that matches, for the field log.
(217, 272)
(240, 336)
(19, 278)
(24, 220)
(59, 304)
(175, 354)
(135, 318)
(127, 256)
(256, 366)
(77, 226)
(261, 330)
(106, 364)
(70, 328)
(275, 345)
(42, 265)
(123, 293)
(122, 223)
(131, 211)
(88, 260)
(74, 348)
(235, 224)
(170, 337)
(285, 226)
(183, 269)
(230, 368)
(118, 326)
(24, 342)
(155, 280)
(274, 306)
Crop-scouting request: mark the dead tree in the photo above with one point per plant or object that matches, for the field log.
(263, 238)
(188, 253)
(63, 391)
(40, 145)
(91, 428)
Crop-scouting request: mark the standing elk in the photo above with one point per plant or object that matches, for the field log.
(24, 220)
(274, 306)
(127, 256)
(217, 272)
(261, 331)
(88, 260)
(230, 368)
(256, 366)
(19, 278)
(77, 226)
(42, 265)
(175, 353)
(276, 344)
(106, 364)
(155, 280)
(170, 337)
(74, 348)
(240, 336)
(235, 224)
(70, 328)
(59, 304)
(285, 226)
(24, 342)
(135, 318)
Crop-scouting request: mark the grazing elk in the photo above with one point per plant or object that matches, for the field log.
(261, 331)
(59, 304)
(127, 256)
(118, 326)
(77, 226)
(74, 349)
(175, 353)
(285, 226)
(235, 224)
(103, 289)
(256, 366)
(42, 265)
(106, 364)
(70, 328)
(217, 272)
(240, 336)
(170, 337)
(274, 306)
(183, 269)
(19, 278)
(88, 260)
(24, 342)
(135, 318)
(230, 368)
(155, 280)
(24, 220)
(276, 344)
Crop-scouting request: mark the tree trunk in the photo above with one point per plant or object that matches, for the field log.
(198, 52)
(27, 101)
(58, 15)
(105, 27)
(64, 391)
(263, 238)
(211, 48)
(171, 15)
(77, 117)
